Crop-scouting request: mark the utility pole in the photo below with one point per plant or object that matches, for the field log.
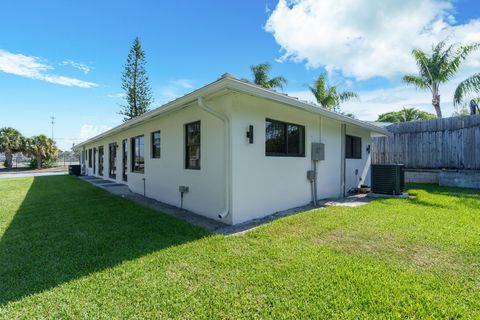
(53, 122)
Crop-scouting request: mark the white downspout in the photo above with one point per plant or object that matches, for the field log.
(226, 125)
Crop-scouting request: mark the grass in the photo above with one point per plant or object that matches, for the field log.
(70, 250)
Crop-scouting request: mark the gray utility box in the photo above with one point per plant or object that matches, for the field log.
(318, 151)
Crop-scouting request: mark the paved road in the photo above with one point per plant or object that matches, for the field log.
(21, 174)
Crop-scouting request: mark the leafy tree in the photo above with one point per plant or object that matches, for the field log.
(405, 115)
(138, 93)
(41, 148)
(11, 141)
(438, 68)
(328, 96)
(467, 86)
(261, 77)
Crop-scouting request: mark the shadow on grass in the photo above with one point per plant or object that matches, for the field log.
(65, 229)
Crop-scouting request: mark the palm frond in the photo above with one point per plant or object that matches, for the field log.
(347, 95)
(277, 82)
(318, 89)
(423, 62)
(469, 85)
(417, 81)
(456, 60)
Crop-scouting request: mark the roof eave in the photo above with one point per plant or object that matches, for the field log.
(237, 85)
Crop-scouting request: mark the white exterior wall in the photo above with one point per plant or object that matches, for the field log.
(260, 184)
(263, 184)
(163, 176)
(357, 171)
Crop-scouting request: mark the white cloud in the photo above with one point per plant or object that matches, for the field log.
(175, 89)
(36, 68)
(118, 95)
(365, 38)
(77, 65)
(183, 83)
(88, 131)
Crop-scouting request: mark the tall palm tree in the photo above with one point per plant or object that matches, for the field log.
(437, 68)
(260, 76)
(41, 147)
(11, 141)
(467, 86)
(328, 96)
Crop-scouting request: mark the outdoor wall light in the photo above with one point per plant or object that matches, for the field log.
(368, 149)
(250, 134)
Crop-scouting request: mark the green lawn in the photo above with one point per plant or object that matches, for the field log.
(70, 250)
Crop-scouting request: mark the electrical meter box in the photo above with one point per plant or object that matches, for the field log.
(318, 151)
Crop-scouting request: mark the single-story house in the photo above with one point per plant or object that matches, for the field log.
(234, 151)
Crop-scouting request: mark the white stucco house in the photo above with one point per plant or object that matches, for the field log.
(236, 150)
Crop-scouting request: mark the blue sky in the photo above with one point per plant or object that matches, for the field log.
(65, 58)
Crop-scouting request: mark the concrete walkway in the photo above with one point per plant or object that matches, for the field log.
(209, 224)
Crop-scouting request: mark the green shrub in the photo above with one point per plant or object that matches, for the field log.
(49, 162)
(33, 163)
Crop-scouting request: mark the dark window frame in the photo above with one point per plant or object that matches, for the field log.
(94, 160)
(125, 159)
(353, 147)
(154, 146)
(188, 144)
(101, 160)
(112, 165)
(137, 168)
(286, 153)
(90, 160)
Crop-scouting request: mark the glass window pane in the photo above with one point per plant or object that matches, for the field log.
(275, 138)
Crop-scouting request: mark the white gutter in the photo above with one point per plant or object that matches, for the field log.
(226, 125)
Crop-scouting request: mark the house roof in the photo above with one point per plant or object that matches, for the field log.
(227, 81)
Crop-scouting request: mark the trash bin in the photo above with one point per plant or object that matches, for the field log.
(74, 169)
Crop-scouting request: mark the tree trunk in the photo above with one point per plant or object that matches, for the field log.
(39, 162)
(9, 158)
(436, 105)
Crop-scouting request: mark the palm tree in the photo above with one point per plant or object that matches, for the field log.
(11, 141)
(467, 86)
(260, 76)
(438, 68)
(41, 147)
(327, 96)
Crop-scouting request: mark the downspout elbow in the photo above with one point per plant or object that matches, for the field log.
(223, 214)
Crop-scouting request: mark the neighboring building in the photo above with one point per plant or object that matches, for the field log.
(243, 152)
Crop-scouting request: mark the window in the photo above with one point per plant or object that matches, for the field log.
(138, 151)
(89, 158)
(284, 139)
(124, 159)
(192, 145)
(112, 160)
(100, 160)
(156, 144)
(94, 160)
(353, 147)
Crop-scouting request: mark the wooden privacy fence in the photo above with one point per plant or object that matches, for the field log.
(452, 143)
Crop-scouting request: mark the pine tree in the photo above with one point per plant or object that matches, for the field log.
(138, 93)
